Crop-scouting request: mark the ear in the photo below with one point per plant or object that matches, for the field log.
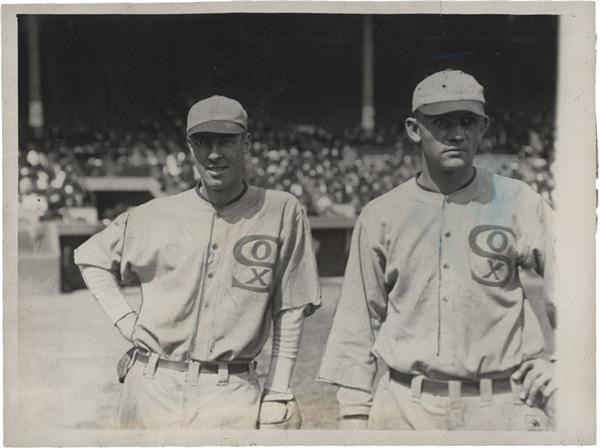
(485, 124)
(412, 129)
(247, 141)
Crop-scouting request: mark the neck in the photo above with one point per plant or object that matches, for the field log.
(445, 182)
(220, 198)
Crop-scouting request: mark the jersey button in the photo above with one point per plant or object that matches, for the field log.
(210, 275)
(446, 266)
(215, 246)
(447, 235)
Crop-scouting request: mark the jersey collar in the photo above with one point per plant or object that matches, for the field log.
(469, 192)
(237, 198)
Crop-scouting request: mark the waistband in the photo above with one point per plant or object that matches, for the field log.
(183, 366)
(457, 388)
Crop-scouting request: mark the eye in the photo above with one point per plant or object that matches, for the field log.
(468, 120)
(200, 142)
(442, 122)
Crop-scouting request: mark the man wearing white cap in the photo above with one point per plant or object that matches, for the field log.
(432, 287)
(219, 266)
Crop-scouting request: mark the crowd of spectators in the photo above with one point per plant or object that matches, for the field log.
(50, 180)
(330, 173)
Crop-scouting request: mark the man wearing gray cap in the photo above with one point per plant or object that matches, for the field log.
(219, 266)
(432, 287)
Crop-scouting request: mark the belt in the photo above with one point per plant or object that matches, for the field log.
(182, 366)
(443, 388)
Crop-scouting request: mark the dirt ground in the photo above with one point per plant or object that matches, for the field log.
(68, 350)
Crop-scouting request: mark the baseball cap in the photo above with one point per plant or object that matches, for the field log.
(217, 114)
(448, 91)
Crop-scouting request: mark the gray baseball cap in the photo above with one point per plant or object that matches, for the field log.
(217, 114)
(448, 91)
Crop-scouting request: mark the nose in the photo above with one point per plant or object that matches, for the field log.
(214, 150)
(214, 157)
(457, 133)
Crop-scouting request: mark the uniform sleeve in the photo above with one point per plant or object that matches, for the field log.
(537, 245)
(354, 401)
(360, 311)
(107, 249)
(297, 277)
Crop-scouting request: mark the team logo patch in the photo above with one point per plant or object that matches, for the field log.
(256, 255)
(493, 245)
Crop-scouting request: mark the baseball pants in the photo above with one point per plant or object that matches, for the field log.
(163, 399)
(397, 407)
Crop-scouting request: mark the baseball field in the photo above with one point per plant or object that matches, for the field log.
(68, 350)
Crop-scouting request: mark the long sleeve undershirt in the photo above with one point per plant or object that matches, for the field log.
(103, 285)
(287, 331)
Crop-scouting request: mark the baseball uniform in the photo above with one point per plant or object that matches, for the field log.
(432, 289)
(212, 280)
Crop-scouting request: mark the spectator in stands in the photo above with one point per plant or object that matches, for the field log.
(291, 159)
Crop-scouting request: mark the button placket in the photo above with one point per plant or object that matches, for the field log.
(446, 304)
(198, 343)
(211, 291)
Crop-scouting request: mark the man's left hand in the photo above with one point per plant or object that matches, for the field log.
(537, 380)
(279, 415)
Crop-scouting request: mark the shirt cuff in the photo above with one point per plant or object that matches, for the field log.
(357, 409)
(354, 401)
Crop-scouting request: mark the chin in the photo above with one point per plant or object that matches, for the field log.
(455, 165)
(219, 187)
(215, 186)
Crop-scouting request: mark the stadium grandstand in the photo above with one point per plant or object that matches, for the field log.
(103, 100)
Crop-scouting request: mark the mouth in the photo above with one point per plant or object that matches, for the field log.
(454, 150)
(216, 169)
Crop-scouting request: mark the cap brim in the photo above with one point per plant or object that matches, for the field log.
(218, 127)
(444, 107)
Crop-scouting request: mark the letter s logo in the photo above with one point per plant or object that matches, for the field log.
(492, 243)
(258, 253)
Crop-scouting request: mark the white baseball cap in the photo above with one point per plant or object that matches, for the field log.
(448, 91)
(217, 114)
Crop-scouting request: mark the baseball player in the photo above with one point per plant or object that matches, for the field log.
(432, 287)
(218, 265)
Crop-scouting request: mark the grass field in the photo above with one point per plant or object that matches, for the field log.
(67, 353)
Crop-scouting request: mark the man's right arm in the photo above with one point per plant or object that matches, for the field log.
(100, 260)
(103, 285)
(348, 361)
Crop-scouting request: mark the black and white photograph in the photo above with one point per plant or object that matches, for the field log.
(297, 223)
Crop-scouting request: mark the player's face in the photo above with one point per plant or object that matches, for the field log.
(449, 141)
(220, 159)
